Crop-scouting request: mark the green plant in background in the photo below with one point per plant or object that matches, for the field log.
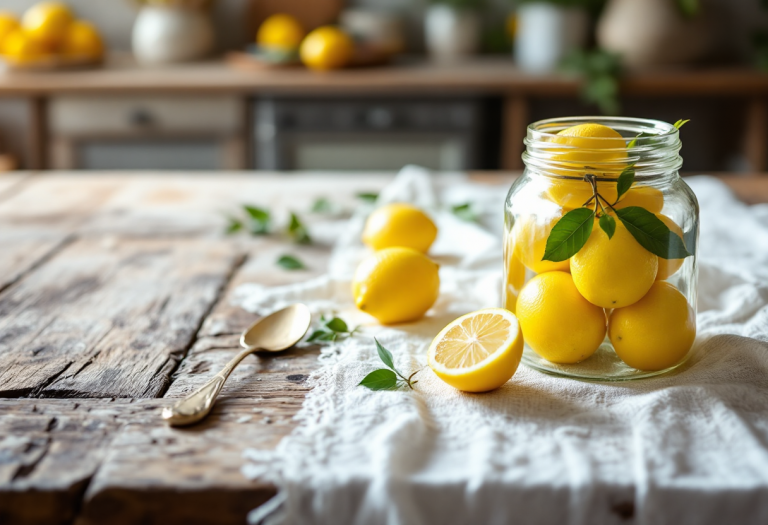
(760, 44)
(600, 71)
(461, 4)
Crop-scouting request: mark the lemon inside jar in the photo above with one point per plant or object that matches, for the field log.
(606, 232)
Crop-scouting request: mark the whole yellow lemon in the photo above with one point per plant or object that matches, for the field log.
(529, 236)
(557, 322)
(399, 225)
(83, 40)
(8, 23)
(47, 23)
(325, 48)
(668, 267)
(280, 31)
(648, 197)
(396, 285)
(514, 278)
(19, 47)
(615, 272)
(656, 332)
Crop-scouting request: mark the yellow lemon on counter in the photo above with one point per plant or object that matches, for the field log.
(396, 285)
(616, 272)
(479, 351)
(668, 267)
(8, 23)
(18, 47)
(280, 31)
(529, 236)
(656, 332)
(557, 322)
(47, 23)
(399, 225)
(82, 41)
(325, 48)
(648, 197)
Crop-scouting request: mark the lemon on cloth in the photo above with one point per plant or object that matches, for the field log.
(8, 23)
(478, 351)
(589, 145)
(280, 31)
(615, 272)
(656, 332)
(529, 236)
(325, 48)
(668, 267)
(557, 322)
(396, 285)
(399, 225)
(47, 23)
(82, 41)
(19, 47)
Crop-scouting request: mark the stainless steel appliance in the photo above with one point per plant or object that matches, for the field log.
(367, 134)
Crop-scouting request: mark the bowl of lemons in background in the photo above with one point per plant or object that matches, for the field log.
(48, 36)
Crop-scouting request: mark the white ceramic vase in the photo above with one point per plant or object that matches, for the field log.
(164, 35)
(546, 33)
(451, 33)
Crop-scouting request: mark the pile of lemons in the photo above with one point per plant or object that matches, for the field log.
(324, 48)
(612, 286)
(48, 30)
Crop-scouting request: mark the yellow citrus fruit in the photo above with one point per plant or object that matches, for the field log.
(652, 199)
(668, 267)
(557, 322)
(325, 48)
(83, 40)
(280, 31)
(19, 47)
(8, 23)
(529, 235)
(615, 272)
(479, 351)
(396, 285)
(514, 280)
(47, 23)
(656, 332)
(399, 225)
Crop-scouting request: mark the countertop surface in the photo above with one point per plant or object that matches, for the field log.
(114, 301)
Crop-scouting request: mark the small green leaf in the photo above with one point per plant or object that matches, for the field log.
(465, 212)
(652, 233)
(569, 235)
(680, 123)
(337, 325)
(233, 226)
(297, 231)
(385, 355)
(608, 225)
(632, 143)
(289, 262)
(381, 379)
(626, 179)
(322, 205)
(319, 335)
(260, 219)
(689, 238)
(368, 197)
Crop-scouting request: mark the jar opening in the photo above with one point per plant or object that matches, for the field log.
(651, 146)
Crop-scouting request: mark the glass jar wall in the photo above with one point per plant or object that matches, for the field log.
(600, 249)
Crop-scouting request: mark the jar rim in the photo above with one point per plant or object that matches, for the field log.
(652, 127)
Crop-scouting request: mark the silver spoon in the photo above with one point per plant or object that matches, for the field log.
(276, 332)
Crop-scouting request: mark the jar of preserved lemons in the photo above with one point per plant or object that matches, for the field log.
(600, 248)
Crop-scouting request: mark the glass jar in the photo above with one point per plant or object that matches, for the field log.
(593, 305)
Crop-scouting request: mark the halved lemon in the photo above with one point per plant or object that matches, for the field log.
(478, 351)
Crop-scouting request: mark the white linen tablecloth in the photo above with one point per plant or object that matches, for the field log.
(690, 447)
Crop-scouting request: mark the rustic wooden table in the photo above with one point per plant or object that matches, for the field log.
(114, 300)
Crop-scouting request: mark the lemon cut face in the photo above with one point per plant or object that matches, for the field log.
(479, 351)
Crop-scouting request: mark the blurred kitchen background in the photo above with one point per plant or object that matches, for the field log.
(449, 84)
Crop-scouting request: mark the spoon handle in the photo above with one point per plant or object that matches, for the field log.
(198, 404)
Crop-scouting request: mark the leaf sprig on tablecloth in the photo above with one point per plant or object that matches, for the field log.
(387, 378)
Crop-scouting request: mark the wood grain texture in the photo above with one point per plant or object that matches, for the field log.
(108, 318)
(21, 249)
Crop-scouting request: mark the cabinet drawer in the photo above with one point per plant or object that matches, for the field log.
(112, 115)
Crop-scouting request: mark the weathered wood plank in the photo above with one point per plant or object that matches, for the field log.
(21, 249)
(108, 317)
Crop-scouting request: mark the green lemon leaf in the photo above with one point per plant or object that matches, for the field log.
(368, 197)
(297, 231)
(465, 212)
(233, 226)
(569, 235)
(626, 179)
(321, 335)
(381, 379)
(651, 233)
(632, 143)
(289, 262)
(689, 238)
(680, 123)
(337, 325)
(321, 205)
(608, 225)
(385, 355)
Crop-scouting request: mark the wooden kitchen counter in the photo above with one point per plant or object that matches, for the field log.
(115, 299)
